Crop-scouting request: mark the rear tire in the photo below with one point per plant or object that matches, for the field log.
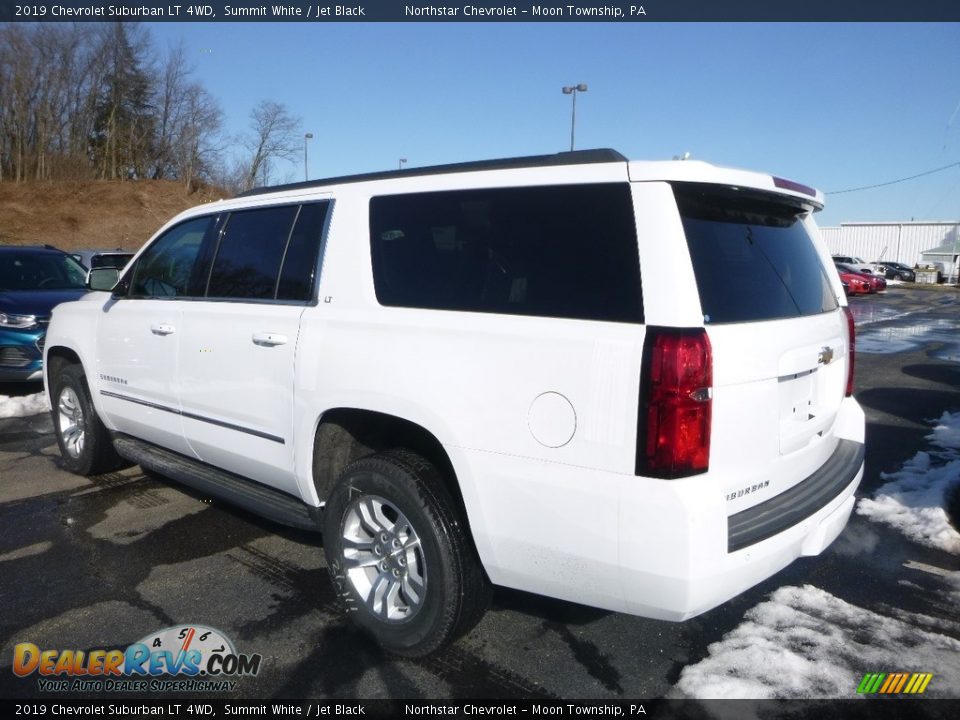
(399, 555)
(85, 444)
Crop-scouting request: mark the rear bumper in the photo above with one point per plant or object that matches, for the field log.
(655, 548)
(808, 497)
(726, 558)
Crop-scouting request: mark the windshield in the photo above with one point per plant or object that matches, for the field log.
(40, 271)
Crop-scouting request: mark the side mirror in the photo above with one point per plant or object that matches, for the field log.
(104, 278)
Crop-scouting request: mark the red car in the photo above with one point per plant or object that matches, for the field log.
(854, 283)
(874, 283)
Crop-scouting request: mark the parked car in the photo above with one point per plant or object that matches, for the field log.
(857, 263)
(461, 384)
(32, 281)
(875, 282)
(854, 283)
(896, 270)
(91, 259)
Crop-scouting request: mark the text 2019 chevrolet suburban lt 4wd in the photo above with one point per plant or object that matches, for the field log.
(624, 384)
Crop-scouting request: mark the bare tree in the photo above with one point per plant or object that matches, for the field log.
(169, 104)
(276, 136)
(197, 142)
(82, 100)
(48, 76)
(19, 90)
(187, 125)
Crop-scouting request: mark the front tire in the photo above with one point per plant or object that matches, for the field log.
(85, 444)
(401, 563)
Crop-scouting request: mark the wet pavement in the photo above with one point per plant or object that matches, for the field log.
(102, 562)
(904, 320)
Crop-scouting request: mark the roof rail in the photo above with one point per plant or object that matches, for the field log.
(576, 157)
(45, 246)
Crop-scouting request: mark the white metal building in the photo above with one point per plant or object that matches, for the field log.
(897, 241)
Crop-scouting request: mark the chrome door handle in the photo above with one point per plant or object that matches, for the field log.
(269, 339)
(162, 329)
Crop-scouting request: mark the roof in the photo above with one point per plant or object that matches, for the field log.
(576, 157)
(948, 249)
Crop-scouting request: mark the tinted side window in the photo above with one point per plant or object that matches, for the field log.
(752, 255)
(300, 259)
(558, 251)
(251, 250)
(164, 269)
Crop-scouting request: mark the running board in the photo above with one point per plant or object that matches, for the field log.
(234, 489)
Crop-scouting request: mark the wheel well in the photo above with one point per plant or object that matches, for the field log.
(348, 434)
(57, 357)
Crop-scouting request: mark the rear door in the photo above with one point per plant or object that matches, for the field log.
(778, 333)
(238, 344)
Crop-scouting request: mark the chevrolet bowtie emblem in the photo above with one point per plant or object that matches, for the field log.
(826, 356)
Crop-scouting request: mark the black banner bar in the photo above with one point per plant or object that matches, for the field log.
(192, 709)
(481, 11)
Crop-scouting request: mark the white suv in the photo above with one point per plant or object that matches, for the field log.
(624, 384)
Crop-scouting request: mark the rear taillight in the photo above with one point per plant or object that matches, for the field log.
(676, 390)
(851, 349)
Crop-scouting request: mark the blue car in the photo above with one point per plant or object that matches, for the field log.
(32, 281)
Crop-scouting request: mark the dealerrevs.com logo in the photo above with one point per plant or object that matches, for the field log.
(184, 658)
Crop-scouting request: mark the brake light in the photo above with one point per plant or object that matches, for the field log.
(851, 350)
(676, 391)
(795, 186)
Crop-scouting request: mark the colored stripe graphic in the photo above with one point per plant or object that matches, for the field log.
(870, 683)
(894, 683)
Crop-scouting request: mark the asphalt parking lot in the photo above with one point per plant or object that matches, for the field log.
(105, 561)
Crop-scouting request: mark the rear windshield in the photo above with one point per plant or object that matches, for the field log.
(752, 255)
(113, 260)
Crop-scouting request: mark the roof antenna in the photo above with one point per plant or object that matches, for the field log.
(685, 156)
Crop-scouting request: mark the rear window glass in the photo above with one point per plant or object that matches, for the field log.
(113, 260)
(557, 251)
(300, 259)
(251, 250)
(752, 255)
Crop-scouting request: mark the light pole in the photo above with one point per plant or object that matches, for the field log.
(307, 136)
(573, 90)
(400, 164)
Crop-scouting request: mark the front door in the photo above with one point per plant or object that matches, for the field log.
(139, 334)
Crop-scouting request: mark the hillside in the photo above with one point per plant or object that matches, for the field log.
(74, 215)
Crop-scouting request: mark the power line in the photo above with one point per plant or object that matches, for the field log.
(893, 182)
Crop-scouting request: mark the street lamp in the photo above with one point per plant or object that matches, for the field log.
(573, 90)
(307, 136)
(400, 164)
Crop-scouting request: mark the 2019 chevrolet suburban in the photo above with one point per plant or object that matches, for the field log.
(624, 384)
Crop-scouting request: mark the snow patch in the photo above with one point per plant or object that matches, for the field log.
(946, 434)
(915, 498)
(22, 406)
(806, 643)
